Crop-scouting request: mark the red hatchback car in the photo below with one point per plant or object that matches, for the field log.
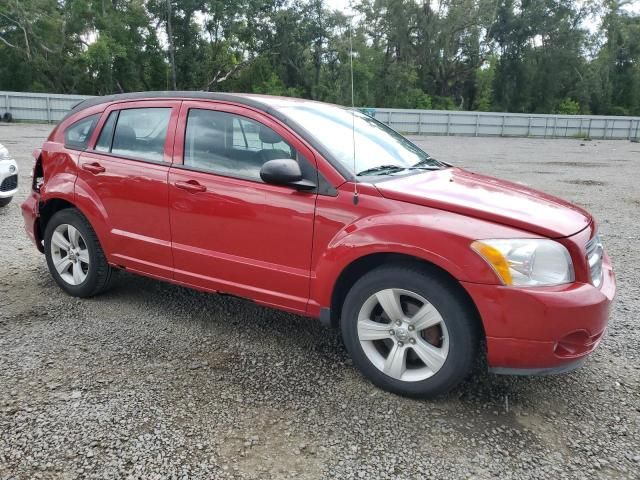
(325, 212)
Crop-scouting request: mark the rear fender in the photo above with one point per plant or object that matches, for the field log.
(88, 202)
(61, 182)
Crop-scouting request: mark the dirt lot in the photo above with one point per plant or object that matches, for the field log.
(155, 381)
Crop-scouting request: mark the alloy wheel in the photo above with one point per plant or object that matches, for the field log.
(403, 335)
(70, 254)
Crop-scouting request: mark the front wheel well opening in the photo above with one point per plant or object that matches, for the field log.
(363, 265)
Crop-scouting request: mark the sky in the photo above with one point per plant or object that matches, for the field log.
(337, 4)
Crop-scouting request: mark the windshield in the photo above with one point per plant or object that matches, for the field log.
(379, 150)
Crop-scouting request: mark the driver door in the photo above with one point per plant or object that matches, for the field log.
(231, 232)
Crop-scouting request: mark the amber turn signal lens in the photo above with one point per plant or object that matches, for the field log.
(495, 259)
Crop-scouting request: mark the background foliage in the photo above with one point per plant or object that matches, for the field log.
(503, 55)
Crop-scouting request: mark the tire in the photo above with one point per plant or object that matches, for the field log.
(5, 201)
(87, 272)
(447, 335)
(7, 117)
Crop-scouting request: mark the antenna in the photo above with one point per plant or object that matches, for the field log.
(353, 106)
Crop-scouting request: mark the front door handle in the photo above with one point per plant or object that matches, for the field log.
(191, 186)
(94, 168)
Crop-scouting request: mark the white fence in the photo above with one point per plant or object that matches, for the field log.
(37, 107)
(483, 124)
(51, 108)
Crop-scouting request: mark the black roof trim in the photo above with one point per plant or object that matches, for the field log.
(222, 97)
(182, 95)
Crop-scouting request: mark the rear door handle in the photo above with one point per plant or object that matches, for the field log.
(191, 186)
(94, 168)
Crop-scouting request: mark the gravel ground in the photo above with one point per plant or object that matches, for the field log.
(155, 381)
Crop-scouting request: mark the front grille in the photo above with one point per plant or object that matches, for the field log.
(595, 252)
(9, 183)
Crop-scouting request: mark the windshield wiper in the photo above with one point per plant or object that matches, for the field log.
(428, 163)
(429, 167)
(381, 170)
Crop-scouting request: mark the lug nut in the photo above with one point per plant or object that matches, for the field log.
(400, 344)
(398, 322)
(391, 332)
(411, 328)
(412, 341)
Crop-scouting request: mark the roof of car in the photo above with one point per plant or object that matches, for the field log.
(262, 102)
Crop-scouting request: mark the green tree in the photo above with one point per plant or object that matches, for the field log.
(511, 55)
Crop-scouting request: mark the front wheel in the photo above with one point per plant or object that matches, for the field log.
(5, 201)
(410, 330)
(74, 255)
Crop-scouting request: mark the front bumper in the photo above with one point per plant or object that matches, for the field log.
(8, 178)
(546, 329)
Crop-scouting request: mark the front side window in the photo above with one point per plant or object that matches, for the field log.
(77, 135)
(138, 133)
(231, 145)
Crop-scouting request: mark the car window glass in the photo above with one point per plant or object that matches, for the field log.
(77, 135)
(231, 145)
(106, 135)
(141, 132)
(246, 136)
(347, 134)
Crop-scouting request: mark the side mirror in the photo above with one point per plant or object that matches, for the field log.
(285, 172)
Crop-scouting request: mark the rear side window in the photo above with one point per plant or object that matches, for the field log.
(106, 135)
(138, 133)
(77, 136)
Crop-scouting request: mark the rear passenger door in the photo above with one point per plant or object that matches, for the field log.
(125, 171)
(231, 232)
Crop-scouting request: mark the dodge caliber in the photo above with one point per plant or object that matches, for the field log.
(325, 212)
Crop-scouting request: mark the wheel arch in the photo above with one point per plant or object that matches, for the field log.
(48, 207)
(364, 264)
(46, 210)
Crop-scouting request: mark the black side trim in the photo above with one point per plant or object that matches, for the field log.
(325, 188)
(564, 368)
(325, 317)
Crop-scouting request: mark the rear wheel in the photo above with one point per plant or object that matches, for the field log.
(410, 331)
(74, 255)
(5, 201)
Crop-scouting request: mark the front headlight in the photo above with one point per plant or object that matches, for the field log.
(527, 262)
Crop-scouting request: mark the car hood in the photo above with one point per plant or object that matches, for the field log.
(488, 198)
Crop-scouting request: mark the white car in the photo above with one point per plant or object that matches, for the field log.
(8, 177)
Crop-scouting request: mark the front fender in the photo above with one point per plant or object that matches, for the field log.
(438, 237)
